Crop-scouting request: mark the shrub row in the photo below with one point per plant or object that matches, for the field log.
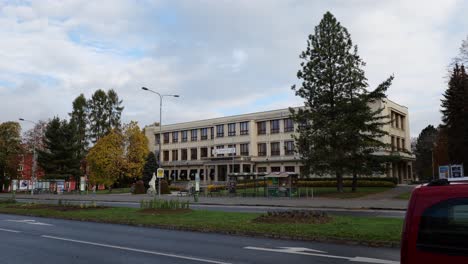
(164, 204)
(346, 183)
(302, 183)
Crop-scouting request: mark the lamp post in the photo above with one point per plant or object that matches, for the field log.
(160, 124)
(33, 176)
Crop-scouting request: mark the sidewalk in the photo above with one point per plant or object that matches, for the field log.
(357, 203)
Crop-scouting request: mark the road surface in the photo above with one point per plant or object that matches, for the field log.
(27, 239)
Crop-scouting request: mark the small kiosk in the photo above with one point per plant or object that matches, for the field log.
(281, 184)
(246, 178)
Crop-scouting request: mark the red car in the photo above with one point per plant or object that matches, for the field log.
(436, 224)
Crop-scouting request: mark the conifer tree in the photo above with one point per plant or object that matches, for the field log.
(338, 132)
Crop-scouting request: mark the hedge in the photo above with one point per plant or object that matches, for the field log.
(346, 183)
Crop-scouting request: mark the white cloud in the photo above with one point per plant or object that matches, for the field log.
(220, 56)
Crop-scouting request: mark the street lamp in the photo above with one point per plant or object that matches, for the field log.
(160, 125)
(33, 176)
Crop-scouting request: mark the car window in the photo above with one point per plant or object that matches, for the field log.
(444, 228)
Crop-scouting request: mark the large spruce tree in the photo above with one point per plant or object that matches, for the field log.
(60, 157)
(455, 116)
(104, 114)
(424, 152)
(338, 131)
(79, 118)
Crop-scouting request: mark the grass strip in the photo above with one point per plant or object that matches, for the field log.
(370, 231)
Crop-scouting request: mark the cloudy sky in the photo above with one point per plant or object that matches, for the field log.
(222, 57)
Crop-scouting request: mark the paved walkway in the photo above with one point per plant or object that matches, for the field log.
(369, 202)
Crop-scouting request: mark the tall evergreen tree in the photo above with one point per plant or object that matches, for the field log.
(98, 116)
(60, 156)
(424, 152)
(104, 114)
(455, 116)
(338, 130)
(114, 109)
(79, 118)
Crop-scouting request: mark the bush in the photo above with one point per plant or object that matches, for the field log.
(139, 187)
(165, 187)
(346, 183)
(164, 204)
(175, 188)
(379, 179)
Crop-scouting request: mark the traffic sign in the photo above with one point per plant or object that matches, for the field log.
(160, 173)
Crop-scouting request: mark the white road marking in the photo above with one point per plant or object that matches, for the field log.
(136, 250)
(9, 230)
(304, 252)
(301, 249)
(29, 222)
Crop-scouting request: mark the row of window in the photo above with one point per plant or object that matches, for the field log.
(244, 151)
(231, 131)
(398, 143)
(398, 120)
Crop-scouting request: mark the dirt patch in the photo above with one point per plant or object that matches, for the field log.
(296, 216)
(164, 211)
(61, 208)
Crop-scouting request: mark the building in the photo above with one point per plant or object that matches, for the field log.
(263, 143)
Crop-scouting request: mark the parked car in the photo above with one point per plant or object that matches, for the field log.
(436, 224)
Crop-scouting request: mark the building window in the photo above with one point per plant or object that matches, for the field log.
(203, 152)
(157, 137)
(244, 128)
(302, 124)
(166, 137)
(261, 128)
(193, 154)
(398, 143)
(204, 133)
(20, 167)
(220, 131)
(274, 126)
(175, 154)
(175, 137)
(275, 148)
(194, 135)
(212, 132)
(166, 155)
(261, 149)
(393, 143)
(290, 169)
(288, 125)
(220, 147)
(289, 147)
(402, 123)
(232, 146)
(261, 169)
(403, 144)
(244, 149)
(275, 169)
(232, 129)
(183, 154)
(184, 136)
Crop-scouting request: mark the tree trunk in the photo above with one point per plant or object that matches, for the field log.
(354, 184)
(339, 182)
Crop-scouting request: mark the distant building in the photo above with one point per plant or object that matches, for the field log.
(263, 143)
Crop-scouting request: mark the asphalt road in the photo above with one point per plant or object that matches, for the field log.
(27, 239)
(247, 209)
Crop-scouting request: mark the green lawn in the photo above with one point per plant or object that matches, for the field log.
(404, 196)
(118, 190)
(329, 192)
(359, 229)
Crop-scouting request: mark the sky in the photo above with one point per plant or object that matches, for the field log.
(221, 57)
